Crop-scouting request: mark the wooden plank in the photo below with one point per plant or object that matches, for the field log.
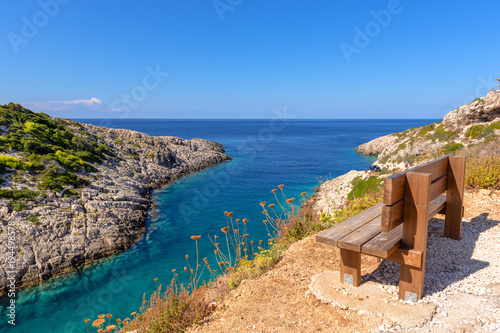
(350, 263)
(407, 257)
(439, 186)
(384, 244)
(332, 235)
(416, 217)
(394, 186)
(358, 237)
(437, 205)
(455, 198)
(392, 216)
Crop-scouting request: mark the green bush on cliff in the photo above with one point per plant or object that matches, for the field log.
(34, 220)
(441, 134)
(56, 181)
(11, 162)
(364, 187)
(23, 194)
(70, 161)
(474, 131)
(451, 148)
(426, 129)
(493, 126)
(51, 148)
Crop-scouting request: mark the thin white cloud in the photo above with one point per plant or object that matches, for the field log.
(93, 103)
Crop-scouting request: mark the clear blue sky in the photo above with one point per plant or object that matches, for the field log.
(244, 58)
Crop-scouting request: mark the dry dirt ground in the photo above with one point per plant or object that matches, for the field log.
(279, 301)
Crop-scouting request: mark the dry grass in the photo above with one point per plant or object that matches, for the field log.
(179, 306)
(483, 166)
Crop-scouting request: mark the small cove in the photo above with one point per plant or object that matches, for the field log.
(297, 155)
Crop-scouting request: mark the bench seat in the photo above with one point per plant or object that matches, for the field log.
(362, 233)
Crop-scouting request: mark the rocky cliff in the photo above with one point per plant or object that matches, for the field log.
(55, 231)
(475, 123)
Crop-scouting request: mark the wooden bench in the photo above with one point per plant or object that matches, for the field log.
(396, 229)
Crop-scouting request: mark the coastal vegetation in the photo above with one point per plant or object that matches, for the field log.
(361, 188)
(53, 153)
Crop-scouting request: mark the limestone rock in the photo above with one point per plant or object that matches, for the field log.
(481, 110)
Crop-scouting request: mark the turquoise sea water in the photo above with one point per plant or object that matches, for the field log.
(265, 153)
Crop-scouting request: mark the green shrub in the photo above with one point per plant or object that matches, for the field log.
(70, 193)
(34, 146)
(477, 99)
(474, 131)
(70, 161)
(49, 147)
(134, 156)
(490, 138)
(18, 206)
(426, 129)
(34, 219)
(452, 147)
(494, 126)
(385, 172)
(364, 187)
(54, 181)
(384, 159)
(103, 149)
(411, 159)
(11, 162)
(87, 156)
(485, 133)
(441, 134)
(23, 194)
(4, 121)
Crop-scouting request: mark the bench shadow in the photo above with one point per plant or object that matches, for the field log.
(447, 260)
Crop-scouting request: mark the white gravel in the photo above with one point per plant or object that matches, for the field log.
(461, 277)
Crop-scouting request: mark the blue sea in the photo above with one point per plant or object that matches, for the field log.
(266, 153)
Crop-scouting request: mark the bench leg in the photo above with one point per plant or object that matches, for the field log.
(411, 282)
(454, 198)
(350, 267)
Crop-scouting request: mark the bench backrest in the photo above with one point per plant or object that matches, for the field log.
(442, 176)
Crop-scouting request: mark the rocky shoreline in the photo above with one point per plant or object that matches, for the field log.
(55, 233)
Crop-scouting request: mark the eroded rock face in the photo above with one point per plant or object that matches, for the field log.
(481, 110)
(55, 233)
(376, 146)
